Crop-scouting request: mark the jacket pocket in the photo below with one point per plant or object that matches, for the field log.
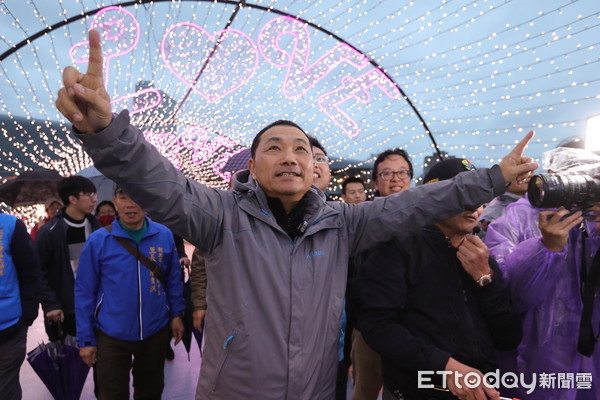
(225, 356)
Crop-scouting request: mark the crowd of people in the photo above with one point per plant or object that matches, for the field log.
(293, 291)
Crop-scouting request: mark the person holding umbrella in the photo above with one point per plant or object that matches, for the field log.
(19, 301)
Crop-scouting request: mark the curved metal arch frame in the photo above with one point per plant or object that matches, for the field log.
(239, 5)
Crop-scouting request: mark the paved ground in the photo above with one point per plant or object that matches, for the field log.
(181, 375)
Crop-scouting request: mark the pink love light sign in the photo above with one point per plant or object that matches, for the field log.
(139, 101)
(198, 141)
(216, 65)
(355, 89)
(301, 77)
(120, 33)
(186, 47)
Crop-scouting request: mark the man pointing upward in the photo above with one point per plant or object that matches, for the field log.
(277, 280)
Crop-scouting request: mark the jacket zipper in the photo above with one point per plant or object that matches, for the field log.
(140, 321)
(468, 299)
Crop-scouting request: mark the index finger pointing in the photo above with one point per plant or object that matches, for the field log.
(95, 58)
(520, 147)
(71, 76)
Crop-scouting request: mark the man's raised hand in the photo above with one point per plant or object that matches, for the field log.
(514, 165)
(83, 100)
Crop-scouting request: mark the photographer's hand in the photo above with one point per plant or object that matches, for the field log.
(555, 227)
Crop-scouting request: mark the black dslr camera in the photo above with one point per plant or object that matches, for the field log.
(573, 192)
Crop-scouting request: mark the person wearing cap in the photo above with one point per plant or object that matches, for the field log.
(436, 302)
(276, 281)
(126, 312)
(52, 206)
(58, 244)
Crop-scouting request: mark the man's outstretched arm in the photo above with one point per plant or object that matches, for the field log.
(402, 214)
(121, 153)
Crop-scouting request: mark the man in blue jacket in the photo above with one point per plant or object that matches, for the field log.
(19, 300)
(124, 310)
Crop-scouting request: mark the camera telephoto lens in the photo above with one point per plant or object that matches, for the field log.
(569, 191)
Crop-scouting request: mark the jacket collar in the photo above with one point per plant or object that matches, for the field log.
(436, 235)
(254, 201)
(59, 219)
(117, 230)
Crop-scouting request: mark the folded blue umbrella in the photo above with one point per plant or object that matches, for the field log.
(60, 367)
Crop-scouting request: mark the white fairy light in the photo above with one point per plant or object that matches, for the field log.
(478, 81)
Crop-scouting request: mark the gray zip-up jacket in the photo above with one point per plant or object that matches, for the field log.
(274, 304)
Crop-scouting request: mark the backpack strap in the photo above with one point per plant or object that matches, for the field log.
(134, 251)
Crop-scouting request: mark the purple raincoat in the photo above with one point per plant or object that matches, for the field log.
(545, 286)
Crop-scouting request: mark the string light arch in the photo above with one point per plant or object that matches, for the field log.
(481, 73)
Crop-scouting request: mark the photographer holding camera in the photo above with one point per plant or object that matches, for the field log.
(550, 261)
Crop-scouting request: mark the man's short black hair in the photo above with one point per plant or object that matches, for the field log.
(256, 140)
(73, 185)
(390, 152)
(352, 179)
(314, 142)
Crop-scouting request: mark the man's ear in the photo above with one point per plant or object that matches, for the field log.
(115, 201)
(252, 167)
(72, 199)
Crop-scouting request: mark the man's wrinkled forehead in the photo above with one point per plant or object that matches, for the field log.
(280, 133)
(281, 139)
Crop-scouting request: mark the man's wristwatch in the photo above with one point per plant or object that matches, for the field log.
(486, 279)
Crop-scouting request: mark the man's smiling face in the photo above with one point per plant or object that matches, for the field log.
(392, 163)
(283, 164)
